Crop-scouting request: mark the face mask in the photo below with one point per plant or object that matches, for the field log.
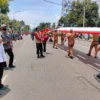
(4, 29)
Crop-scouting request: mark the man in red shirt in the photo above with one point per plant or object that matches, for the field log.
(39, 40)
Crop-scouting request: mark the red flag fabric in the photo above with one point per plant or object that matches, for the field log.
(47, 30)
(86, 30)
(42, 32)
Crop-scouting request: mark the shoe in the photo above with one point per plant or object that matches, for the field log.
(88, 55)
(1, 86)
(71, 57)
(95, 57)
(98, 76)
(5, 68)
(42, 56)
(12, 66)
(38, 56)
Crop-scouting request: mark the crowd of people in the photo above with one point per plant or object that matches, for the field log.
(71, 36)
(6, 46)
(41, 40)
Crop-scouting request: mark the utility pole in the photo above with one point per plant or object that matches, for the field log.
(0, 15)
(84, 14)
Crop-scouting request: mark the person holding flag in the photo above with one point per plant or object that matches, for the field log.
(39, 40)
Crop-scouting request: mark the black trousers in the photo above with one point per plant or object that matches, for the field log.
(39, 49)
(1, 72)
(11, 55)
(44, 46)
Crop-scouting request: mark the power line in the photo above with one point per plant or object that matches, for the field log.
(53, 2)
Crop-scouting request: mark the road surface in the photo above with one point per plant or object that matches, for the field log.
(55, 77)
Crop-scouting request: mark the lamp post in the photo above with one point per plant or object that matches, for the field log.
(15, 14)
(14, 18)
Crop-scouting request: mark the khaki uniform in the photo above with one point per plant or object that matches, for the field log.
(94, 44)
(71, 42)
(55, 45)
(62, 38)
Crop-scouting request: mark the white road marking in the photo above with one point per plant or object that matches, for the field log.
(81, 57)
(93, 67)
(97, 64)
(3, 80)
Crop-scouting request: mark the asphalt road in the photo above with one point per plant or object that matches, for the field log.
(55, 77)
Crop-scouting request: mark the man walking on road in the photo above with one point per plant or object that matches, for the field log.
(39, 40)
(2, 60)
(7, 45)
(55, 34)
(71, 41)
(94, 44)
(62, 38)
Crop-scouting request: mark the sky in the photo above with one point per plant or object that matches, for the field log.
(35, 11)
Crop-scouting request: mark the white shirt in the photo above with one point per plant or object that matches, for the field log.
(3, 57)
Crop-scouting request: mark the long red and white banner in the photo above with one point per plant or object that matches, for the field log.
(83, 30)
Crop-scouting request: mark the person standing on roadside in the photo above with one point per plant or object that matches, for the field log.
(39, 40)
(3, 59)
(7, 45)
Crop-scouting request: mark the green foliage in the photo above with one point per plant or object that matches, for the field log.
(4, 19)
(75, 15)
(26, 28)
(44, 25)
(4, 6)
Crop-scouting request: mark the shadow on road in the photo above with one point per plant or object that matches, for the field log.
(4, 92)
(83, 57)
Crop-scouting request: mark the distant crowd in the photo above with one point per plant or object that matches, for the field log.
(53, 36)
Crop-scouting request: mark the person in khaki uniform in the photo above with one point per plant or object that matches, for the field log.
(94, 44)
(62, 38)
(71, 41)
(55, 35)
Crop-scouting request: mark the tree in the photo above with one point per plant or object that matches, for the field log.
(44, 25)
(26, 28)
(4, 19)
(75, 15)
(4, 6)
